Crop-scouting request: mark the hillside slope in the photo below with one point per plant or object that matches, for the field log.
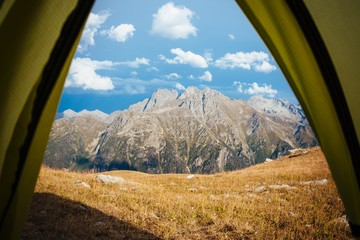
(272, 200)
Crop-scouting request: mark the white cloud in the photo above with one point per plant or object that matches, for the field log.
(120, 33)
(254, 88)
(152, 69)
(179, 86)
(264, 90)
(134, 89)
(208, 56)
(93, 23)
(265, 67)
(232, 37)
(136, 63)
(239, 86)
(133, 73)
(130, 86)
(207, 76)
(173, 22)
(137, 86)
(188, 57)
(259, 61)
(191, 77)
(172, 76)
(83, 74)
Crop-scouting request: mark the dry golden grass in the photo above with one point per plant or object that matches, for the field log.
(223, 206)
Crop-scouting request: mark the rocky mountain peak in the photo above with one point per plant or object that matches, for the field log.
(208, 92)
(69, 113)
(160, 97)
(190, 92)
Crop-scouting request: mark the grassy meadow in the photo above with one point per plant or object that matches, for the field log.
(242, 204)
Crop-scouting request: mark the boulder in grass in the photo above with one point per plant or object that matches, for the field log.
(318, 182)
(109, 179)
(282, 186)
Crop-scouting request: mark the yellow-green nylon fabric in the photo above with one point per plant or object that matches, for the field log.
(6, 5)
(21, 204)
(339, 25)
(28, 33)
(280, 31)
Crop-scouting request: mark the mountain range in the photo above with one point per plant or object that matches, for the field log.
(197, 131)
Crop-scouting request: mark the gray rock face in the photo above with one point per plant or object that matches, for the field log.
(139, 107)
(200, 131)
(72, 141)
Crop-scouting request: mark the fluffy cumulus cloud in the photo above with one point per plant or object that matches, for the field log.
(82, 74)
(93, 23)
(265, 67)
(255, 89)
(136, 63)
(120, 33)
(187, 57)
(259, 61)
(173, 22)
(207, 76)
(172, 76)
(179, 86)
(232, 37)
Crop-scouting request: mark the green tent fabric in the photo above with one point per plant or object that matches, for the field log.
(315, 43)
(37, 43)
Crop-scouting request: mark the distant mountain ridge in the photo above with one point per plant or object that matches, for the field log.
(69, 114)
(197, 131)
(279, 107)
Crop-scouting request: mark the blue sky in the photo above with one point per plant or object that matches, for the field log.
(131, 48)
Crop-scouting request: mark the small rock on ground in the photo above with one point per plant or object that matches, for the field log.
(260, 189)
(212, 197)
(342, 220)
(82, 184)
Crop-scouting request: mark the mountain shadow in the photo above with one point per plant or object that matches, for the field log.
(54, 217)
